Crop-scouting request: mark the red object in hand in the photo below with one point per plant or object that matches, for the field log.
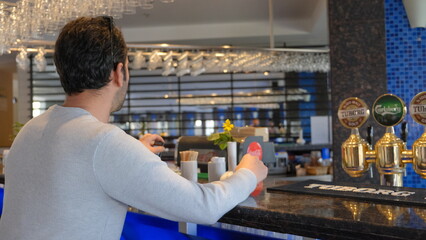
(257, 190)
(255, 149)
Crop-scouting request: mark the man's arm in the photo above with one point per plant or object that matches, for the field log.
(132, 174)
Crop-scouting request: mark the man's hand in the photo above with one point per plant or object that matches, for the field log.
(253, 164)
(151, 142)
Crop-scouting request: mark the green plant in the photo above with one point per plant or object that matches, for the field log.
(16, 127)
(224, 137)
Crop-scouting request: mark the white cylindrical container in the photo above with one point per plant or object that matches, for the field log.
(189, 170)
(3, 161)
(232, 155)
(5, 153)
(216, 167)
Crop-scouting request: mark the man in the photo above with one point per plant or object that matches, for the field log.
(71, 175)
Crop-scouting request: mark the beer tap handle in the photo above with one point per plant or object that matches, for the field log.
(404, 131)
(369, 138)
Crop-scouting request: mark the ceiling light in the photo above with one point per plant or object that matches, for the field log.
(154, 60)
(138, 61)
(168, 64)
(183, 66)
(22, 59)
(40, 60)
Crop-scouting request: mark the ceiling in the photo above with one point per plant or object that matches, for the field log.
(296, 23)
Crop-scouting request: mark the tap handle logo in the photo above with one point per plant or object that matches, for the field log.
(353, 112)
(389, 110)
(418, 108)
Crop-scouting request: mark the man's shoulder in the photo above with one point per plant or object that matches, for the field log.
(110, 132)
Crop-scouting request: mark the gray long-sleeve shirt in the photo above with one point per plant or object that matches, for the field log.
(70, 176)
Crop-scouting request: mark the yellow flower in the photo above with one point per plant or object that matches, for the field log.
(227, 125)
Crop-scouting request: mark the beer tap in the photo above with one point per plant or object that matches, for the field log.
(353, 113)
(388, 111)
(418, 154)
(390, 153)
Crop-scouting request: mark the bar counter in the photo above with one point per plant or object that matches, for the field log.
(327, 217)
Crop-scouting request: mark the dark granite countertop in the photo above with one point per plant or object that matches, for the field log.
(327, 217)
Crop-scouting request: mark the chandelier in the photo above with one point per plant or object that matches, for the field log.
(28, 20)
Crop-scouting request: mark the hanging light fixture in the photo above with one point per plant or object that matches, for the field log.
(196, 60)
(22, 59)
(183, 65)
(40, 60)
(28, 20)
(147, 4)
(154, 60)
(139, 60)
(168, 67)
(197, 67)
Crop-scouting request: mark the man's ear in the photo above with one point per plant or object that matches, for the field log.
(118, 76)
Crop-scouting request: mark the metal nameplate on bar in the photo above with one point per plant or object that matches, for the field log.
(377, 193)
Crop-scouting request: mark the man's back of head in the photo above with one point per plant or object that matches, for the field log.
(86, 51)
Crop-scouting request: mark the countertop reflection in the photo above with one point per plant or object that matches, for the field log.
(327, 217)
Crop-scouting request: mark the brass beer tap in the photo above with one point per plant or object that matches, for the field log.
(353, 113)
(388, 111)
(390, 153)
(418, 154)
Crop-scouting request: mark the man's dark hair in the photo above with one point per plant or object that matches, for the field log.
(86, 51)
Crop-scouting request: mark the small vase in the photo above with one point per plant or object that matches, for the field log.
(300, 140)
(232, 155)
